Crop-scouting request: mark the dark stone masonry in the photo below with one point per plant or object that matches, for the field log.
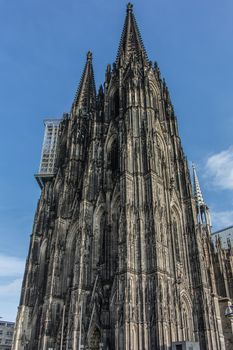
(121, 256)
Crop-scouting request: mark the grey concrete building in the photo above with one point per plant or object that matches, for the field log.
(121, 256)
(225, 235)
(6, 334)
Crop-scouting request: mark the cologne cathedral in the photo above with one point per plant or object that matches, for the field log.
(121, 256)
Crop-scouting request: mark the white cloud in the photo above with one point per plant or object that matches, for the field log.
(222, 219)
(11, 275)
(9, 309)
(11, 266)
(9, 299)
(219, 168)
(11, 289)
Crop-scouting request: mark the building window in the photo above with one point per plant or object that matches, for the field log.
(10, 325)
(179, 347)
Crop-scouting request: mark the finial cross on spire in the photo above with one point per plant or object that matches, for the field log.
(129, 7)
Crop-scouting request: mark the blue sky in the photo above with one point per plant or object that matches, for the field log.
(43, 45)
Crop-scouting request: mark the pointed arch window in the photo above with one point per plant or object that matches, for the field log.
(114, 158)
(116, 103)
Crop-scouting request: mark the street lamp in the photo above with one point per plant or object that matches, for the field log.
(229, 311)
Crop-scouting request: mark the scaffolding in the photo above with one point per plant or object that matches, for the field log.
(48, 155)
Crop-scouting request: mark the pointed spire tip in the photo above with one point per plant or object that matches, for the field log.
(86, 93)
(131, 43)
(89, 56)
(129, 7)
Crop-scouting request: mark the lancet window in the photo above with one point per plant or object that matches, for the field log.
(114, 161)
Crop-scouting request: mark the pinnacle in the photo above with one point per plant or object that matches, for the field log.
(197, 190)
(86, 94)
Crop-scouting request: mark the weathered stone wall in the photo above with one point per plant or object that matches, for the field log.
(118, 259)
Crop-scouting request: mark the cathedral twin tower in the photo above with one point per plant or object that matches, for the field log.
(120, 255)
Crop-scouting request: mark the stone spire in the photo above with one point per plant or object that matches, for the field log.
(203, 214)
(85, 98)
(131, 42)
(197, 190)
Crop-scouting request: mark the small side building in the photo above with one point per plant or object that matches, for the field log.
(6, 334)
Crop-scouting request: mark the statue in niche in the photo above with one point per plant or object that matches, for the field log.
(209, 308)
(176, 240)
(164, 233)
(161, 232)
(133, 313)
(121, 227)
(149, 148)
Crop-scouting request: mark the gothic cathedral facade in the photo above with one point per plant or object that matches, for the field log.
(121, 255)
